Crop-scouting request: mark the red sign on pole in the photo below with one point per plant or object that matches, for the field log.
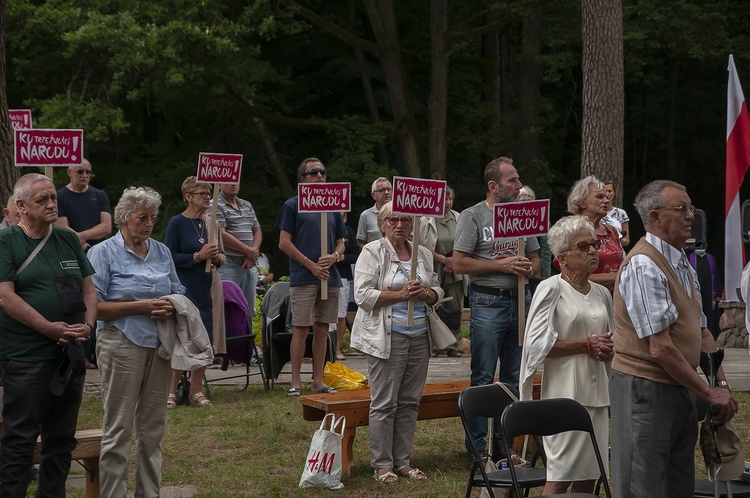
(20, 119)
(324, 197)
(219, 168)
(49, 147)
(521, 219)
(418, 197)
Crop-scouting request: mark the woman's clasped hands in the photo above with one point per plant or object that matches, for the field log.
(601, 347)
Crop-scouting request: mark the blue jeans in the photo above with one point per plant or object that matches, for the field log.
(246, 279)
(494, 336)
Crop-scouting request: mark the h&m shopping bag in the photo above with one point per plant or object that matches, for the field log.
(323, 463)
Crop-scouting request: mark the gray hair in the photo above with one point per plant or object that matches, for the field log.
(11, 201)
(24, 187)
(526, 194)
(565, 229)
(134, 198)
(449, 192)
(378, 180)
(649, 198)
(580, 192)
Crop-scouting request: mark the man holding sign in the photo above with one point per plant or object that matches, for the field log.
(299, 238)
(494, 267)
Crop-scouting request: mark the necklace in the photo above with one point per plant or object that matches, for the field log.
(583, 289)
(198, 229)
(26, 231)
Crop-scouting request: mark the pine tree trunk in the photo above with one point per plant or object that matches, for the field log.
(438, 106)
(8, 171)
(602, 137)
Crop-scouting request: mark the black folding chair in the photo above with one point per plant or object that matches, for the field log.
(547, 417)
(489, 401)
(277, 329)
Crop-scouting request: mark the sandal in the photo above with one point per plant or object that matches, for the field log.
(454, 353)
(199, 400)
(326, 390)
(294, 391)
(171, 401)
(413, 474)
(386, 477)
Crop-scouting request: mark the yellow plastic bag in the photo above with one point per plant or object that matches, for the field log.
(342, 378)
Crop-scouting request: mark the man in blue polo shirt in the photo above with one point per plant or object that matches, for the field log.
(299, 238)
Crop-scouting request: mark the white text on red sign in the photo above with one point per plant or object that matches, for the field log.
(521, 219)
(48, 147)
(324, 197)
(418, 197)
(219, 168)
(20, 119)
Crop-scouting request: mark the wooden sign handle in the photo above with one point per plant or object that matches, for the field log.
(414, 254)
(213, 235)
(521, 295)
(324, 251)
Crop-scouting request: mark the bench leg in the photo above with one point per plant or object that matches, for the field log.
(347, 446)
(92, 477)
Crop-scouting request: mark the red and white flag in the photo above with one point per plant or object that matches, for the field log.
(738, 160)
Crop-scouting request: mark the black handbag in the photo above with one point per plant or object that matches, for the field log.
(69, 291)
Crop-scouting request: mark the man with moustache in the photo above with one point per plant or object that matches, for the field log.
(494, 267)
(367, 229)
(659, 333)
(242, 236)
(299, 238)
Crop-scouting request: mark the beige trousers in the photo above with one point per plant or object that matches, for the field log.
(135, 385)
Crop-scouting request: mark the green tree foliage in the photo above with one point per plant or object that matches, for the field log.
(154, 83)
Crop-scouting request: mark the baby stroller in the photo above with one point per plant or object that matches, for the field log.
(240, 337)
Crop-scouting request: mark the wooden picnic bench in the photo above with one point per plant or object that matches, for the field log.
(439, 400)
(87, 451)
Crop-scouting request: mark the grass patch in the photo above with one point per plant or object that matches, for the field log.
(254, 444)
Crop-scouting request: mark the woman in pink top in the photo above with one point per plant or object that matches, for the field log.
(589, 198)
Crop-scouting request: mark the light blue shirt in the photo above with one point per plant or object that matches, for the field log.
(645, 289)
(399, 310)
(124, 276)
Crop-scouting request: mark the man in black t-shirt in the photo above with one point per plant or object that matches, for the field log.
(83, 208)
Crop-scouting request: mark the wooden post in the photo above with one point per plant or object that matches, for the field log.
(213, 235)
(521, 295)
(324, 251)
(414, 254)
(48, 172)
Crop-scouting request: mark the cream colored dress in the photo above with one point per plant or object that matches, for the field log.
(570, 455)
(559, 312)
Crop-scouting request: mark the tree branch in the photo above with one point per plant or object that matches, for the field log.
(270, 117)
(332, 28)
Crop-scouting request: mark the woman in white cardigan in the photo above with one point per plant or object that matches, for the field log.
(397, 355)
(569, 330)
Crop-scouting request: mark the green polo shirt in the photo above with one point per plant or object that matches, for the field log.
(61, 255)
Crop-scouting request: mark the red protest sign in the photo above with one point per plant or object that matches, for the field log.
(20, 119)
(219, 168)
(48, 147)
(418, 197)
(324, 197)
(521, 219)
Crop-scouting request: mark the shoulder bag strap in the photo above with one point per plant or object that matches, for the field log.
(34, 252)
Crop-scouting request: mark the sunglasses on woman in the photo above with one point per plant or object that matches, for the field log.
(584, 246)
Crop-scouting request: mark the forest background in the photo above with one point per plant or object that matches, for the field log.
(374, 87)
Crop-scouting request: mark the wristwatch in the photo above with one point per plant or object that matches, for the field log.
(93, 329)
(723, 383)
